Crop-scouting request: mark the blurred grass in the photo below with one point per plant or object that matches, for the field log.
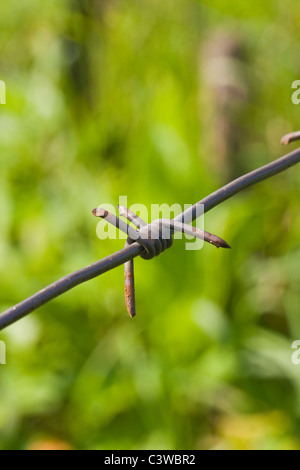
(109, 98)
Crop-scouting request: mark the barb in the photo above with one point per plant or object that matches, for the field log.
(154, 230)
(131, 216)
(288, 138)
(129, 286)
(195, 232)
(133, 250)
(155, 237)
(129, 266)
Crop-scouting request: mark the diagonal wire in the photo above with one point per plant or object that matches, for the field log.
(66, 283)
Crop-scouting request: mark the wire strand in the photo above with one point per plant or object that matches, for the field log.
(66, 283)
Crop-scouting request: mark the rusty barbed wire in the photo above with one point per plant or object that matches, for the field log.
(155, 238)
(135, 247)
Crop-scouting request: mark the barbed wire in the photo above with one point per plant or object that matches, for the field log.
(155, 238)
(149, 247)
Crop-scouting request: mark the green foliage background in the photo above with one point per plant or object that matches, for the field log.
(107, 99)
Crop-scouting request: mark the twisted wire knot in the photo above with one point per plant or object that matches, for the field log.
(154, 238)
